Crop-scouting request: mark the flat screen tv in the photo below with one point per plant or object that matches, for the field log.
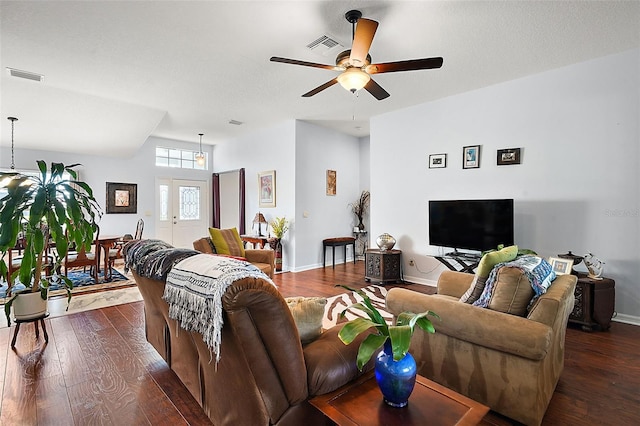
(471, 224)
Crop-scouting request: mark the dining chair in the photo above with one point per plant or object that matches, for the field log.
(116, 251)
(15, 259)
(83, 258)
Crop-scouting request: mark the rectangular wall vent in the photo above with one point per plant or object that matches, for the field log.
(325, 45)
(25, 74)
(235, 122)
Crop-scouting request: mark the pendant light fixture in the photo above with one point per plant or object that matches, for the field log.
(13, 120)
(200, 155)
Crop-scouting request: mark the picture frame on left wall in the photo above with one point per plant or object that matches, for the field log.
(267, 188)
(122, 198)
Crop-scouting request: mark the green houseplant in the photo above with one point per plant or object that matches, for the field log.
(395, 368)
(279, 226)
(42, 209)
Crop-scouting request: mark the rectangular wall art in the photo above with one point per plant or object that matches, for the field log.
(267, 188)
(508, 156)
(331, 182)
(122, 197)
(437, 161)
(471, 157)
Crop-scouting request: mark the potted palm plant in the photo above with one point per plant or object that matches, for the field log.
(279, 226)
(395, 368)
(43, 209)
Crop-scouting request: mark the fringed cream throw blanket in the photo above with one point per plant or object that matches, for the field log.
(194, 291)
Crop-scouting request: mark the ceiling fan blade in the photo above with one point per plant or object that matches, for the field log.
(376, 90)
(365, 30)
(410, 65)
(304, 63)
(320, 88)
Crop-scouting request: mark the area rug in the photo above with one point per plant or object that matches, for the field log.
(83, 282)
(337, 304)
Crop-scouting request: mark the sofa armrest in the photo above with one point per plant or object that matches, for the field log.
(260, 256)
(453, 283)
(332, 364)
(203, 245)
(483, 327)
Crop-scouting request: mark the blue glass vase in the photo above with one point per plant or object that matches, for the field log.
(396, 379)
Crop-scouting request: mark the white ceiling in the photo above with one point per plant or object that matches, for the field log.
(119, 72)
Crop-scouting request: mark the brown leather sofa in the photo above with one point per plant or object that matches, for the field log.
(263, 259)
(265, 376)
(509, 363)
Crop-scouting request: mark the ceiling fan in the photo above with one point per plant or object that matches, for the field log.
(355, 65)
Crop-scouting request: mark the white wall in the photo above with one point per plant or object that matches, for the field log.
(318, 215)
(272, 148)
(96, 171)
(577, 187)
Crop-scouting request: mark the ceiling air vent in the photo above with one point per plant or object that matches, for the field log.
(325, 45)
(235, 122)
(25, 74)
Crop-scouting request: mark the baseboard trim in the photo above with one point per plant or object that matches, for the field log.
(626, 319)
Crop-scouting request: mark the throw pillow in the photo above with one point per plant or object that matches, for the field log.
(512, 292)
(485, 266)
(227, 241)
(307, 313)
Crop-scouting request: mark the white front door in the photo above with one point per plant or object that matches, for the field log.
(183, 216)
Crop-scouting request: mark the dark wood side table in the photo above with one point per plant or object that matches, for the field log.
(338, 242)
(383, 266)
(255, 239)
(360, 403)
(595, 303)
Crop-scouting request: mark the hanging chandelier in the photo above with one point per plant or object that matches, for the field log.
(200, 155)
(13, 164)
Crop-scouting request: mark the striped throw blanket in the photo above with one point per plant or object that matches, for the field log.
(194, 291)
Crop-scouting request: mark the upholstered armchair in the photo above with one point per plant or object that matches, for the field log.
(263, 259)
(510, 363)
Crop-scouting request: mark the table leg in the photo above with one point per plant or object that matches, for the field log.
(324, 255)
(333, 252)
(44, 331)
(15, 335)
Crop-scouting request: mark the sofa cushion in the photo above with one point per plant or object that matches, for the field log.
(227, 241)
(307, 314)
(512, 292)
(485, 266)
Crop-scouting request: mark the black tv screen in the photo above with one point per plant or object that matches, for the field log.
(471, 224)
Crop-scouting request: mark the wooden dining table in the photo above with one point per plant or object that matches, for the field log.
(106, 243)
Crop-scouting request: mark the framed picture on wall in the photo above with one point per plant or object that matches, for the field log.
(437, 161)
(508, 156)
(331, 182)
(471, 157)
(267, 188)
(122, 197)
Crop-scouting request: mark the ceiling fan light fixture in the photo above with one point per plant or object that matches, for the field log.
(353, 79)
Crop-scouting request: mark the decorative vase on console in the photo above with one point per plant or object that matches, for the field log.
(395, 368)
(279, 226)
(360, 207)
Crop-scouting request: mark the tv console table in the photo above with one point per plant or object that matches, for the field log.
(459, 262)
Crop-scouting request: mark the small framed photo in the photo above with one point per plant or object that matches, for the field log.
(332, 183)
(267, 188)
(122, 197)
(437, 161)
(509, 156)
(561, 266)
(471, 157)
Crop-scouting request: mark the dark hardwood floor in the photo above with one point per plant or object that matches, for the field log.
(98, 369)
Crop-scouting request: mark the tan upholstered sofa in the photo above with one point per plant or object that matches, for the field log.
(263, 259)
(510, 363)
(265, 376)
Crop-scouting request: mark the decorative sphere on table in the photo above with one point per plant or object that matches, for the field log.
(385, 242)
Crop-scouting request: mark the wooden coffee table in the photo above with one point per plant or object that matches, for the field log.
(360, 403)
